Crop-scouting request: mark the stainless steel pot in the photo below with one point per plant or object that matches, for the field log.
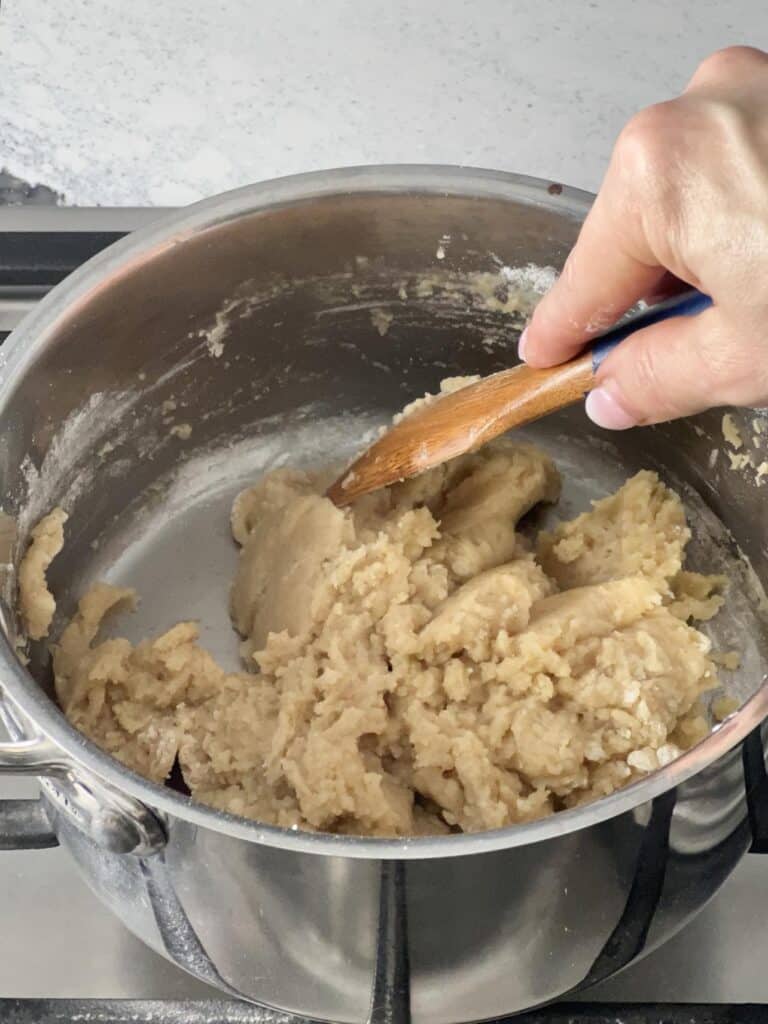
(252, 319)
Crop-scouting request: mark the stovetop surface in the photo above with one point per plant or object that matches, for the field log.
(58, 942)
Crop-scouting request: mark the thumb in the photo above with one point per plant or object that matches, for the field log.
(677, 368)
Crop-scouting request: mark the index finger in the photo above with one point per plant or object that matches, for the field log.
(607, 271)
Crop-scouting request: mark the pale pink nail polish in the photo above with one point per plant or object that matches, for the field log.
(605, 409)
(521, 345)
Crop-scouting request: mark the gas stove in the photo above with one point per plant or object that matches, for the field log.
(64, 957)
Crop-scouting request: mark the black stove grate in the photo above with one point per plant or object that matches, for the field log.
(32, 262)
(219, 1011)
(44, 258)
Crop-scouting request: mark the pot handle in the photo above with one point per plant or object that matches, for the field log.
(24, 824)
(37, 756)
(113, 820)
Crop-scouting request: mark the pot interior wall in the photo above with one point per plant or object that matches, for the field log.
(286, 337)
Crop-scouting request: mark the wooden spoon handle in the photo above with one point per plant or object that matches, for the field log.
(516, 396)
(463, 421)
(466, 419)
(524, 394)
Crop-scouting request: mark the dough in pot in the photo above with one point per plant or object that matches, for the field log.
(412, 665)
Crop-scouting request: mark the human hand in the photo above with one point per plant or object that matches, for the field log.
(685, 199)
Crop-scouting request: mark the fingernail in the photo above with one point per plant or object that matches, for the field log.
(605, 409)
(521, 345)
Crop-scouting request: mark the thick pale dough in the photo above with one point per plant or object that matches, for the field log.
(36, 602)
(415, 667)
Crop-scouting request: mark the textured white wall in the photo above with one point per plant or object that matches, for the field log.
(148, 102)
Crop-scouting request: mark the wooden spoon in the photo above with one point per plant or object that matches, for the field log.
(466, 419)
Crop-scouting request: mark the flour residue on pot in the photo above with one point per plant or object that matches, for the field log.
(731, 432)
(213, 337)
(750, 458)
(381, 319)
(511, 290)
(238, 306)
(68, 468)
(303, 438)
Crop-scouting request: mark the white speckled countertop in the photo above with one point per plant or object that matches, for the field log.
(148, 103)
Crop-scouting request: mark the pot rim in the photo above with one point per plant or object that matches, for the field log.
(170, 230)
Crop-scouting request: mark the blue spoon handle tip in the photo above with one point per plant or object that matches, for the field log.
(688, 304)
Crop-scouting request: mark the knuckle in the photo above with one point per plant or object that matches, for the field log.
(646, 176)
(642, 148)
(729, 60)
